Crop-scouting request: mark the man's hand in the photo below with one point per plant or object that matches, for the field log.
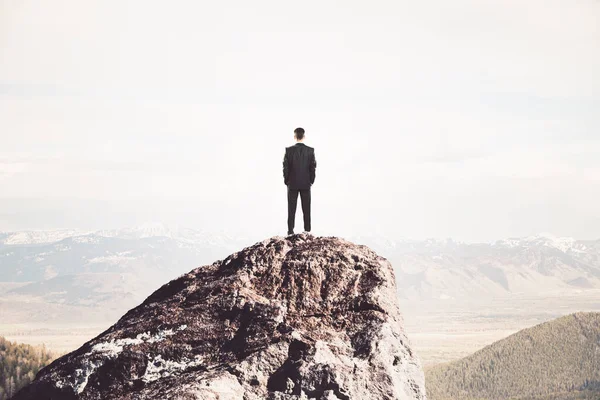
(313, 168)
(286, 168)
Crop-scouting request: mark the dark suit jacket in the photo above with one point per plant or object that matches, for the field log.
(299, 166)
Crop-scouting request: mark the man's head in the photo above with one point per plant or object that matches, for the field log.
(299, 134)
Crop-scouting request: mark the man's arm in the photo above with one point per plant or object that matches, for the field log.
(286, 168)
(313, 168)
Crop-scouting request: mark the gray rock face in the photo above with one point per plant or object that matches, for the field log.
(300, 317)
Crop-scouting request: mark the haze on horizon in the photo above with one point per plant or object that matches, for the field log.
(476, 120)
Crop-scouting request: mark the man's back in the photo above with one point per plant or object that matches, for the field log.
(299, 165)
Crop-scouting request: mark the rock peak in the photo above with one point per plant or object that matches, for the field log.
(296, 317)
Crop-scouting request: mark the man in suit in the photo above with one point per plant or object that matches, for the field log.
(299, 165)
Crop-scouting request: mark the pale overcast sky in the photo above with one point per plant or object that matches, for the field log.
(471, 119)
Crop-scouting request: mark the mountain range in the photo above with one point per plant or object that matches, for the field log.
(117, 268)
(533, 266)
(54, 274)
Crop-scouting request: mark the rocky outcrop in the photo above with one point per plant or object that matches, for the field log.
(299, 317)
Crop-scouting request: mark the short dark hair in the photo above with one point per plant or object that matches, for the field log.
(299, 133)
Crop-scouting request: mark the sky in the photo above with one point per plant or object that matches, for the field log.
(472, 119)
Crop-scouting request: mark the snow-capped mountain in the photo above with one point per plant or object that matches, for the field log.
(564, 244)
(536, 265)
(117, 268)
(184, 235)
(146, 230)
(38, 237)
(107, 271)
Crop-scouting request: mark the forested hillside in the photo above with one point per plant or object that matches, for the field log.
(18, 365)
(559, 359)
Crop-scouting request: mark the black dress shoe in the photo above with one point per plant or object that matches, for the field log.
(290, 233)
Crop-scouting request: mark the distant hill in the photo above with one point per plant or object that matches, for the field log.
(559, 359)
(19, 363)
(101, 274)
(449, 270)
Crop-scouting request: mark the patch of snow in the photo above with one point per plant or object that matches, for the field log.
(50, 272)
(564, 244)
(113, 259)
(83, 374)
(116, 346)
(86, 239)
(184, 237)
(160, 336)
(62, 247)
(509, 242)
(112, 349)
(159, 368)
(39, 237)
(184, 245)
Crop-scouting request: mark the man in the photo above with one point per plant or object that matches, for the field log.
(299, 165)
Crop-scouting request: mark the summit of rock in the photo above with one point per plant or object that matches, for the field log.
(296, 317)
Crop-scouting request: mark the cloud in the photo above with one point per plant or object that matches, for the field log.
(9, 170)
(32, 90)
(420, 112)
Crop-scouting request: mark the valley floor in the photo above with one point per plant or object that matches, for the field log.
(439, 331)
(62, 338)
(448, 330)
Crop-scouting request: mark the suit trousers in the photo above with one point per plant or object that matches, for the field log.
(292, 203)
